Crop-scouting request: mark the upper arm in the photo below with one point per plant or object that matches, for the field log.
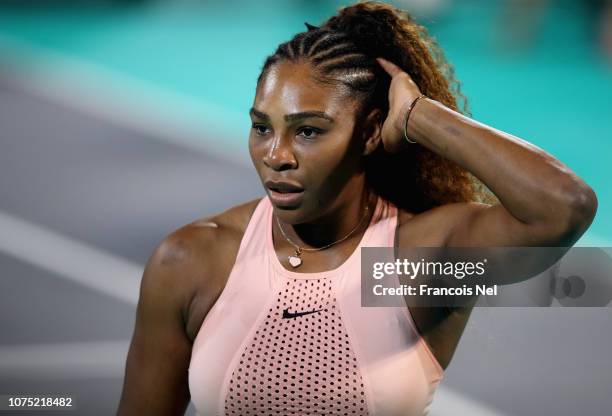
(482, 225)
(193, 262)
(156, 373)
(472, 224)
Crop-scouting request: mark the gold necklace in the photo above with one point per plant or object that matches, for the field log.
(295, 260)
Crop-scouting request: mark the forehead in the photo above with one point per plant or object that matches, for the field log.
(291, 87)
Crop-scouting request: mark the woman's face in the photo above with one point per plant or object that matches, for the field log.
(302, 134)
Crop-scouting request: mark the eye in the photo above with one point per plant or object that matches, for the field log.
(260, 129)
(309, 132)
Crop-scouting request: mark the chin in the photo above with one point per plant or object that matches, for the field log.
(291, 214)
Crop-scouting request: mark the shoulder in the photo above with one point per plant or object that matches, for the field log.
(434, 226)
(207, 238)
(195, 255)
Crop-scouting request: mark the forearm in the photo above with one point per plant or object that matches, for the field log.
(531, 184)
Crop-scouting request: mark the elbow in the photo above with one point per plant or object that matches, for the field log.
(580, 209)
(583, 207)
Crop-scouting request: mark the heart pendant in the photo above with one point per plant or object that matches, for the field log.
(295, 261)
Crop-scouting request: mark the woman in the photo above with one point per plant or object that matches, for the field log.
(358, 141)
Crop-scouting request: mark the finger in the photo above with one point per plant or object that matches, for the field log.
(389, 66)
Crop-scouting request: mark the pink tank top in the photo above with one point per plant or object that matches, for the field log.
(278, 342)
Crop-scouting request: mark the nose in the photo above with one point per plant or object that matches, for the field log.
(280, 155)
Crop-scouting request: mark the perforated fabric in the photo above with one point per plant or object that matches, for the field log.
(300, 361)
(329, 355)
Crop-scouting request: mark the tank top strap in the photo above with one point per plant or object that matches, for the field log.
(253, 241)
(383, 229)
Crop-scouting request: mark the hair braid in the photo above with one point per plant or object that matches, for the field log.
(343, 52)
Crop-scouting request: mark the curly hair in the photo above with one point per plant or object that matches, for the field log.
(343, 50)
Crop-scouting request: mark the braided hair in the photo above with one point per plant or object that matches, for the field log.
(342, 53)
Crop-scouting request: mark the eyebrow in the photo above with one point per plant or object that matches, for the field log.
(294, 116)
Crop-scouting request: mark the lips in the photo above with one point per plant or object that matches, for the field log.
(283, 186)
(285, 194)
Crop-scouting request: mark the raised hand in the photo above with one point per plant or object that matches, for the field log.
(402, 92)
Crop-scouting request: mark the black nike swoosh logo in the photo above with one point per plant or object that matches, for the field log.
(289, 315)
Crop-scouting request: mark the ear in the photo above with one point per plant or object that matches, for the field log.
(372, 131)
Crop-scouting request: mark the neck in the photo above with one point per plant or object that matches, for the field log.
(334, 225)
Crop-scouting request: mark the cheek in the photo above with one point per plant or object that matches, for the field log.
(328, 166)
(256, 151)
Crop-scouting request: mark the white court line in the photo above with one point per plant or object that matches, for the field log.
(119, 278)
(108, 274)
(137, 104)
(120, 99)
(94, 90)
(70, 259)
(107, 359)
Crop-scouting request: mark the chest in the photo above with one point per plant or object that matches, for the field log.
(273, 345)
(440, 329)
